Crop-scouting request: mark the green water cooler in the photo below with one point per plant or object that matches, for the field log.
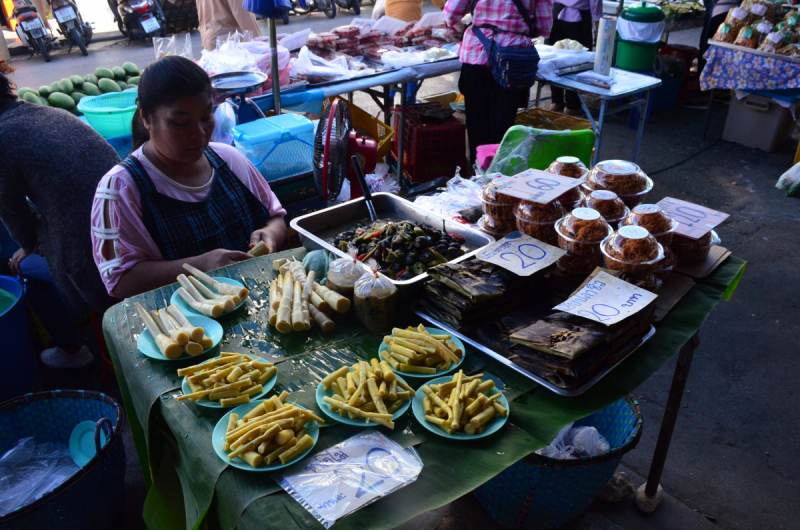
(634, 54)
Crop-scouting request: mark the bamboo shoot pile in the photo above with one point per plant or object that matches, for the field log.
(207, 295)
(273, 430)
(173, 333)
(296, 300)
(462, 404)
(417, 351)
(231, 379)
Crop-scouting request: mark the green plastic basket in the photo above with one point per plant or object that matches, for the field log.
(110, 114)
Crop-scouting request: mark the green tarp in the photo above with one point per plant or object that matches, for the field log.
(192, 487)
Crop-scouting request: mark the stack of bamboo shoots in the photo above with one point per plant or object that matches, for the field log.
(360, 391)
(173, 333)
(273, 430)
(417, 351)
(295, 299)
(230, 379)
(462, 404)
(208, 296)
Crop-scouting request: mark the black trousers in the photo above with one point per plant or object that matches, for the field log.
(490, 108)
(579, 31)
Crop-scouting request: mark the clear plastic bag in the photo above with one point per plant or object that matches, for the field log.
(29, 470)
(588, 441)
(295, 41)
(224, 122)
(180, 44)
(311, 64)
(790, 181)
(558, 448)
(382, 180)
(227, 58)
(375, 300)
(343, 273)
(461, 194)
(350, 475)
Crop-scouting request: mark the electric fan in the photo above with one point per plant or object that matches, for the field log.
(335, 142)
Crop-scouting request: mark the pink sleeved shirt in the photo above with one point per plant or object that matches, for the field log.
(131, 240)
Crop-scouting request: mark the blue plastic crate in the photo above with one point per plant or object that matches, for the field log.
(279, 146)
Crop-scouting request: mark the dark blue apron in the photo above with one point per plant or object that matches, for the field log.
(226, 219)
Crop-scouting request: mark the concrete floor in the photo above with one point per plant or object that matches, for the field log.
(733, 463)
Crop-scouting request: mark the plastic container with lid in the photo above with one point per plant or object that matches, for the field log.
(497, 228)
(625, 179)
(538, 220)
(665, 266)
(496, 204)
(608, 204)
(690, 251)
(632, 250)
(658, 222)
(279, 146)
(581, 231)
(568, 166)
(574, 264)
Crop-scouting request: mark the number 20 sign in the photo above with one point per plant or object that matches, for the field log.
(537, 186)
(521, 254)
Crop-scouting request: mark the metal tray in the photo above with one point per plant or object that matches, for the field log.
(317, 227)
(548, 385)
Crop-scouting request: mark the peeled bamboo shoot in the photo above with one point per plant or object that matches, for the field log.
(193, 348)
(261, 249)
(168, 325)
(336, 301)
(274, 302)
(166, 345)
(228, 301)
(195, 333)
(318, 302)
(224, 288)
(322, 320)
(284, 317)
(298, 324)
(207, 308)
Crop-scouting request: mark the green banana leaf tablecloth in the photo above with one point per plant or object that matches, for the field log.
(190, 487)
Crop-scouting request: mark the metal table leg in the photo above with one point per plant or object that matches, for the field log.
(538, 93)
(401, 126)
(708, 112)
(640, 127)
(647, 498)
(597, 126)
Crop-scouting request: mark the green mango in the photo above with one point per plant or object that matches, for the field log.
(30, 97)
(45, 91)
(76, 96)
(104, 73)
(61, 100)
(122, 84)
(77, 81)
(90, 89)
(131, 69)
(44, 101)
(25, 90)
(108, 85)
(65, 86)
(119, 72)
(134, 80)
(90, 78)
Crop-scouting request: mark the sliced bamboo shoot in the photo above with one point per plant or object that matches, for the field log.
(278, 263)
(194, 349)
(298, 324)
(207, 308)
(224, 288)
(322, 320)
(206, 343)
(195, 333)
(317, 301)
(166, 345)
(228, 302)
(336, 301)
(284, 316)
(261, 249)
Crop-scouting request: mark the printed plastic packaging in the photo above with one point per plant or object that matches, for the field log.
(350, 475)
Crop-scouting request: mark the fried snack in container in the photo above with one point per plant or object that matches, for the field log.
(349, 31)
(608, 204)
(498, 205)
(658, 222)
(581, 231)
(689, 251)
(625, 179)
(748, 37)
(632, 250)
(538, 220)
(497, 228)
(724, 34)
(569, 166)
(570, 264)
(738, 18)
(759, 9)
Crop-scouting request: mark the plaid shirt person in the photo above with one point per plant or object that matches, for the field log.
(502, 14)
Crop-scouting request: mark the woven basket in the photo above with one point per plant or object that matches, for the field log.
(92, 497)
(541, 492)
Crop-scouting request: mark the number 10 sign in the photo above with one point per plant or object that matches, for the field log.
(537, 186)
(521, 254)
(607, 299)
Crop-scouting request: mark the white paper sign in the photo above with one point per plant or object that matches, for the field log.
(521, 254)
(607, 300)
(537, 186)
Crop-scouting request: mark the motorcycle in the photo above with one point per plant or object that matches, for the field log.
(71, 24)
(32, 29)
(139, 19)
(309, 6)
(355, 5)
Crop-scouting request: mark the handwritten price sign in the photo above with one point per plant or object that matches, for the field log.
(607, 299)
(537, 186)
(695, 220)
(521, 254)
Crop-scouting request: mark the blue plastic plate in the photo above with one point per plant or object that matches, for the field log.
(81, 443)
(212, 328)
(178, 301)
(432, 331)
(358, 422)
(491, 427)
(218, 438)
(205, 402)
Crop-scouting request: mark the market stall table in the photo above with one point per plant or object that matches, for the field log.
(188, 483)
(627, 84)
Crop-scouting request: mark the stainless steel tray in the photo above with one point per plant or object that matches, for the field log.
(317, 227)
(548, 385)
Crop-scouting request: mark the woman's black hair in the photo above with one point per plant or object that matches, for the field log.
(163, 82)
(6, 91)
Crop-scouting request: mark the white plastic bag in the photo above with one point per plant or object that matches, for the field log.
(388, 25)
(227, 58)
(180, 44)
(587, 441)
(461, 194)
(29, 470)
(432, 19)
(224, 122)
(640, 31)
(311, 64)
(350, 475)
(375, 300)
(790, 181)
(344, 272)
(295, 41)
(382, 180)
(364, 24)
(558, 448)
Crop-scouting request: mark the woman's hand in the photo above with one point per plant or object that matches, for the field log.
(220, 258)
(15, 260)
(272, 235)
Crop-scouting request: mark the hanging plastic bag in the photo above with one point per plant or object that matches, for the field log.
(790, 181)
(350, 475)
(375, 300)
(224, 122)
(343, 273)
(180, 44)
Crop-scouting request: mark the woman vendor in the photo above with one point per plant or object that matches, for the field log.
(178, 198)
